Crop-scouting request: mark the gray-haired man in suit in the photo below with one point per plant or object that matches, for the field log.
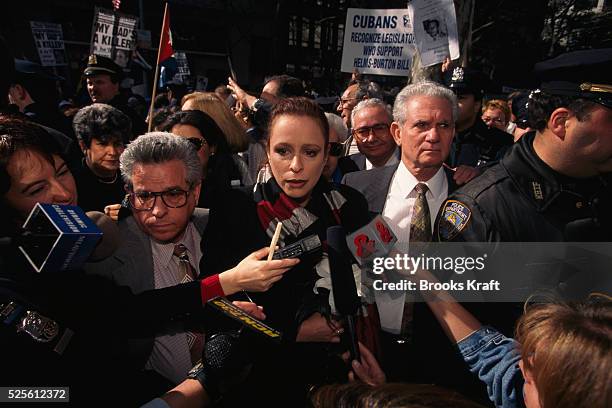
(409, 194)
(160, 246)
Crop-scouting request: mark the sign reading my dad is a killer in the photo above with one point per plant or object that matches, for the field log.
(379, 42)
(113, 35)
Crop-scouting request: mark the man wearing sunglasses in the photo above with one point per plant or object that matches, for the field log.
(371, 120)
(161, 246)
(337, 139)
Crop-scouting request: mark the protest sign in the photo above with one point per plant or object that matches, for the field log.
(435, 30)
(49, 41)
(378, 42)
(113, 35)
(183, 72)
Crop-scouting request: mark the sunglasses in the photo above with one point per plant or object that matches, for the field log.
(335, 149)
(197, 142)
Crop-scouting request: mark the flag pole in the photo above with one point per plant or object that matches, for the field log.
(156, 77)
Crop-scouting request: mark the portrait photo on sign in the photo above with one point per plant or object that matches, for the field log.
(435, 28)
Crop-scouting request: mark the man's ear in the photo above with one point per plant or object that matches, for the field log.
(82, 146)
(396, 131)
(557, 123)
(196, 192)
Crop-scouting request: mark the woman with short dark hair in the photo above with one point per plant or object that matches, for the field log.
(102, 132)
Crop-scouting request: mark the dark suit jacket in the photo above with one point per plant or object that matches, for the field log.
(374, 185)
(132, 266)
(351, 163)
(357, 162)
(431, 350)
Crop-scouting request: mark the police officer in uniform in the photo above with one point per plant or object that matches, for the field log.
(552, 185)
(475, 144)
(103, 85)
(555, 182)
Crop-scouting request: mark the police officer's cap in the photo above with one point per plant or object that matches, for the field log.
(465, 81)
(29, 69)
(97, 65)
(581, 74)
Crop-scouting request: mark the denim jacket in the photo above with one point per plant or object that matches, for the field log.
(494, 358)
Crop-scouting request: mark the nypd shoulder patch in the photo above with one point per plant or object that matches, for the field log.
(454, 218)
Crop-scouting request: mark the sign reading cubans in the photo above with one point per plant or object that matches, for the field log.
(113, 35)
(379, 42)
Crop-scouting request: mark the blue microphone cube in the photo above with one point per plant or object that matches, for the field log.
(59, 237)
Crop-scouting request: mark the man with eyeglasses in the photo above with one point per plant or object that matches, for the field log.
(496, 113)
(371, 120)
(337, 138)
(161, 246)
(358, 90)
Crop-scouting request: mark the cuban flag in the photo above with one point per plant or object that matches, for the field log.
(166, 61)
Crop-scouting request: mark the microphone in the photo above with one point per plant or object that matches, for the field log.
(343, 285)
(226, 308)
(373, 240)
(225, 362)
(58, 237)
(299, 249)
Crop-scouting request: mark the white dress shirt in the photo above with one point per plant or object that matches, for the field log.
(398, 214)
(402, 195)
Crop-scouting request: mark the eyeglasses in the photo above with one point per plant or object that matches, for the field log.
(197, 142)
(379, 130)
(145, 200)
(335, 148)
(487, 120)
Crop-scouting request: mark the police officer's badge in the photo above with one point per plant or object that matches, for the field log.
(41, 328)
(455, 217)
(457, 75)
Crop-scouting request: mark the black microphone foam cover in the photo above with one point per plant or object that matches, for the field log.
(341, 271)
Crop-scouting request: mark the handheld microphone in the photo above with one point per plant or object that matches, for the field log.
(343, 285)
(228, 309)
(375, 239)
(225, 362)
(58, 237)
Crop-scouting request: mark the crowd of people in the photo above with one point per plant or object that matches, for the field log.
(198, 200)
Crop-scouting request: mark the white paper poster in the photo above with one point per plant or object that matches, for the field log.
(378, 42)
(435, 30)
(114, 36)
(183, 74)
(49, 41)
